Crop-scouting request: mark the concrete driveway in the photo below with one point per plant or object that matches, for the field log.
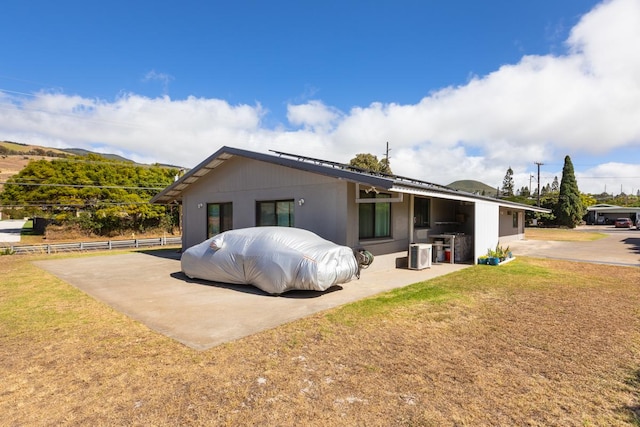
(149, 287)
(10, 230)
(621, 246)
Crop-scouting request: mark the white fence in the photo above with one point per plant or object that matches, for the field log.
(87, 246)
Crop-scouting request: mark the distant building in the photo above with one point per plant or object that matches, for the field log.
(607, 214)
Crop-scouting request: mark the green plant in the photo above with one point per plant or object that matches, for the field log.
(499, 252)
(7, 251)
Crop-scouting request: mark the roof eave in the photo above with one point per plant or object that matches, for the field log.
(174, 191)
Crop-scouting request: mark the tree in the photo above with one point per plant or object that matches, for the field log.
(507, 183)
(555, 187)
(569, 210)
(113, 195)
(370, 162)
(587, 200)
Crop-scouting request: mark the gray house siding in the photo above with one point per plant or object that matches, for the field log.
(507, 229)
(319, 202)
(325, 201)
(399, 239)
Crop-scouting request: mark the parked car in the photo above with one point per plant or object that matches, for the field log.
(274, 259)
(638, 221)
(623, 223)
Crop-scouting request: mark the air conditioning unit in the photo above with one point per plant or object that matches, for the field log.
(419, 256)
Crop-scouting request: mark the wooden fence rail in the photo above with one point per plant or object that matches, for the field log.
(86, 246)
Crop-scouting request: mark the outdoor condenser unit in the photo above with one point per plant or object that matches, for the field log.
(419, 256)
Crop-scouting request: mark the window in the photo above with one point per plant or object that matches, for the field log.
(374, 218)
(515, 219)
(219, 218)
(421, 212)
(276, 212)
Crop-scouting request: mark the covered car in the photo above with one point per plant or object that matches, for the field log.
(274, 259)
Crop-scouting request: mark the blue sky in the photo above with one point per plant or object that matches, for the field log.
(460, 89)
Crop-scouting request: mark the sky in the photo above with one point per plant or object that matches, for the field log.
(459, 89)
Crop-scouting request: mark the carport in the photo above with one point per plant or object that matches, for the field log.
(606, 214)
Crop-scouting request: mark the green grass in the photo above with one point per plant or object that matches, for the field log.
(449, 288)
(27, 307)
(27, 229)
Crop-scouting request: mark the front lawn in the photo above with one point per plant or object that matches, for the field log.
(534, 342)
(562, 234)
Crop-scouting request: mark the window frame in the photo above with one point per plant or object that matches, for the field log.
(423, 224)
(375, 214)
(225, 217)
(260, 221)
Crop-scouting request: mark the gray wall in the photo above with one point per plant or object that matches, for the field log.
(399, 240)
(507, 230)
(244, 181)
(330, 208)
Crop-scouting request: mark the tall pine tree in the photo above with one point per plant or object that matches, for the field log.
(569, 209)
(507, 183)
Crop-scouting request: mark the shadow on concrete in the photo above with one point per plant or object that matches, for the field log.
(249, 289)
(17, 231)
(163, 253)
(634, 243)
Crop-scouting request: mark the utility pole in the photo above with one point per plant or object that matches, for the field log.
(386, 156)
(539, 164)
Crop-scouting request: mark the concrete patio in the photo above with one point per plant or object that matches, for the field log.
(149, 287)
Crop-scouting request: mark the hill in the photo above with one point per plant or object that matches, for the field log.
(471, 186)
(9, 148)
(14, 156)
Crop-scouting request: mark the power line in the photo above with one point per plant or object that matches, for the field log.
(82, 186)
(70, 205)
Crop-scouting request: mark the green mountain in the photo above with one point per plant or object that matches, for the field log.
(471, 186)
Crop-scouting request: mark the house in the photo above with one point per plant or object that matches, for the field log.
(607, 214)
(384, 214)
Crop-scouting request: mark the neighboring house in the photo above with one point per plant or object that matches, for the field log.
(383, 214)
(607, 214)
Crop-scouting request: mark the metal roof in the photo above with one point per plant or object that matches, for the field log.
(401, 184)
(604, 208)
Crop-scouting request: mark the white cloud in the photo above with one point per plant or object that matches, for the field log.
(610, 177)
(581, 103)
(163, 78)
(313, 115)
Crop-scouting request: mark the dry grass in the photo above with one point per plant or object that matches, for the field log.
(535, 342)
(562, 234)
